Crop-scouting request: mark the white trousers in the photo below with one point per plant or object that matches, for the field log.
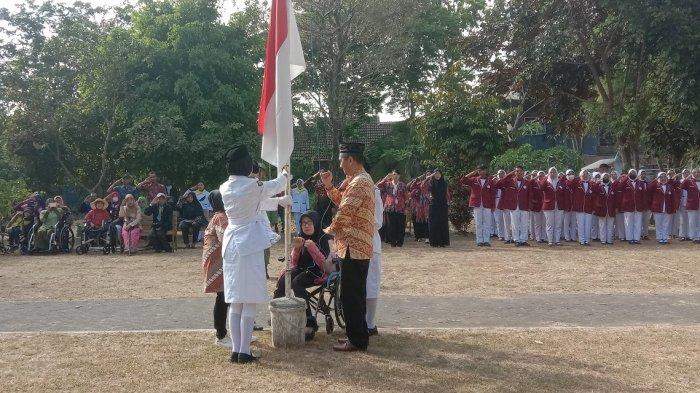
(554, 219)
(633, 225)
(594, 227)
(538, 227)
(570, 226)
(682, 223)
(693, 224)
(507, 227)
(584, 221)
(646, 222)
(620, 225)
(605, 229)
(663, 226)
(498, 219)
(519, 220)
(483, 217)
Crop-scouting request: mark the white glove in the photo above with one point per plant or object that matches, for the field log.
(285, 201)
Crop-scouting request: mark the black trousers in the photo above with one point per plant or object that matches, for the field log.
(220, 312)
(353, 297)
(301, 279)
(397, 228)
(186, 226)
(159, 239)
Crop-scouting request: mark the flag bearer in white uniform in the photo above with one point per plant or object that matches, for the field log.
(374, 274)
(245, 239)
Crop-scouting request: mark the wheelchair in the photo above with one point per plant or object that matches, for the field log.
(62, 239)
(96, 239)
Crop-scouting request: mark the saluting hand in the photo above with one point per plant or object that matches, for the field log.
(327, 179)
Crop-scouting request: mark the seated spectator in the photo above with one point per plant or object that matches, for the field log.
(18, 227)
(123, 187)
(97, 219)
(115, 225)
(310, 254)
(131, 225)
(34, 202)
(48, 218)
(162, 222)
(143, 203)
(191, 218)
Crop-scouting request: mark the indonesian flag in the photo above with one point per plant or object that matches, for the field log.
(284, 61)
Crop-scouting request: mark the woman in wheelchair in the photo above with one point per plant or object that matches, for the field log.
(97, 220)
(48, 219)
(310, 252)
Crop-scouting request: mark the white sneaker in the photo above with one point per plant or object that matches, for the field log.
(223, 342)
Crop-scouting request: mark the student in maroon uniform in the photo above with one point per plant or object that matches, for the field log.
(583, 202)
(634, 203)
(691, 184)
(605, 208)
(481, 199)
(570, 226)
(661, 193)
(555, 201)
(515, 199)
(537, 227)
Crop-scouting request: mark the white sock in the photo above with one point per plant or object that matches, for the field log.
(371, 312)
(234, 321)
(246, 334)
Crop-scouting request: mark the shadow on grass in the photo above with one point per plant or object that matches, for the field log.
(405, 362)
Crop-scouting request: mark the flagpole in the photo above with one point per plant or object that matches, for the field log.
(287, 239)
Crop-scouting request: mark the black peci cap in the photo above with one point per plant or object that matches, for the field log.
(352, 148)
(237, 153)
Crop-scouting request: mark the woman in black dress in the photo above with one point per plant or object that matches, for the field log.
(438, 223)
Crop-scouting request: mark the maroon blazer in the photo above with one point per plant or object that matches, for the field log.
(555, 199)
(583, 200)
(605, 200)
(662, 202)
(691, 186)
(634, 196)
(512, 196)
(480, 196)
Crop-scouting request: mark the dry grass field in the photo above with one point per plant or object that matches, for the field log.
(631, 360)
(462, 269)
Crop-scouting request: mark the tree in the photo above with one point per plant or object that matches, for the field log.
(532, 159)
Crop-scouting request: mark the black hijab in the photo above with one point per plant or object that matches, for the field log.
(319, 237)
(216, 202)
(439, 189)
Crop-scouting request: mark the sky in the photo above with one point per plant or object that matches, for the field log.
(227, 7)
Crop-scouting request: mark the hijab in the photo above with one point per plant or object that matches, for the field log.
(306, 261)
(216, 202)
(439, 189)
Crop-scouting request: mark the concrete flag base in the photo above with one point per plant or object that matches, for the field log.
(288, 320)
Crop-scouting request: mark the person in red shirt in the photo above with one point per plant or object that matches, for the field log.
(502, 229)
(605, 208)
(634, 203)
(97, 219)
(555, 200)
(515, 199)
(646, 215)
(691, 184)
(482, 198)
(582, 203)
(661, 193)
(395, 201)
(619, 214)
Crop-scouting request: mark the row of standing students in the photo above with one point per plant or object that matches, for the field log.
(552, 207)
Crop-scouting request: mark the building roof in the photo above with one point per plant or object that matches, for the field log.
(319, 145)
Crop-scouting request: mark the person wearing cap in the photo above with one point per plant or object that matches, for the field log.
(482, 199)
(353, 227)
(246, 237)
(162, 214)
(634, 203)
(123, 187)
(661, 193)
(691, 185)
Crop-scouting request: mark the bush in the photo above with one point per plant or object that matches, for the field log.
(460, 214)
(532, 159)
(11, 192)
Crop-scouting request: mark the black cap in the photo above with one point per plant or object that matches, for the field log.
(237, 153)
(352, 148)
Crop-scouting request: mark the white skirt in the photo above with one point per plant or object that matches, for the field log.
(244, 278)
(374, 276)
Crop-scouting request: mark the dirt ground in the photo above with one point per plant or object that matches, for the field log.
(630, 360)
(462, 269)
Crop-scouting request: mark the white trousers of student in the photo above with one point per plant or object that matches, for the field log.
(554, 219)
(241, 318)
(605, 229)
(570, 226)
(594, 227)
(663, 226)
(482, 217)
(584, 221)
(693, 224)
(646, 222)
(633, 226)
(620, 225)
(519, 220)
(538, 225)
(682, 223)
(507, 227)
(498, 219)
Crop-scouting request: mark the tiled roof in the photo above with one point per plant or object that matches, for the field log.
(319, 144)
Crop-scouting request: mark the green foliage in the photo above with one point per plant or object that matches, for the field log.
(532, 159)
(460, 214)
(397, 150)
(11, 192)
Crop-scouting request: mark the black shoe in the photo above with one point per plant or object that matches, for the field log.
(373, 331)
(479, 244)
(525, 244)
(244, 358)
(487, 244)
(234, 357)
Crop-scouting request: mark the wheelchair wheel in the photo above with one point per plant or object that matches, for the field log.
(106, 250)
(66, 240)
(329, 324)
(80, 250)
(338, 308)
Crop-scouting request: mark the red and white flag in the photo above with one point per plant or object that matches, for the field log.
(284, 61)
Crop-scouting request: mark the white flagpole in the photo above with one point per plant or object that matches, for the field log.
(287, 239)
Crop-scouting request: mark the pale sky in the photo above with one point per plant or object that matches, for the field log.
(227, 7)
